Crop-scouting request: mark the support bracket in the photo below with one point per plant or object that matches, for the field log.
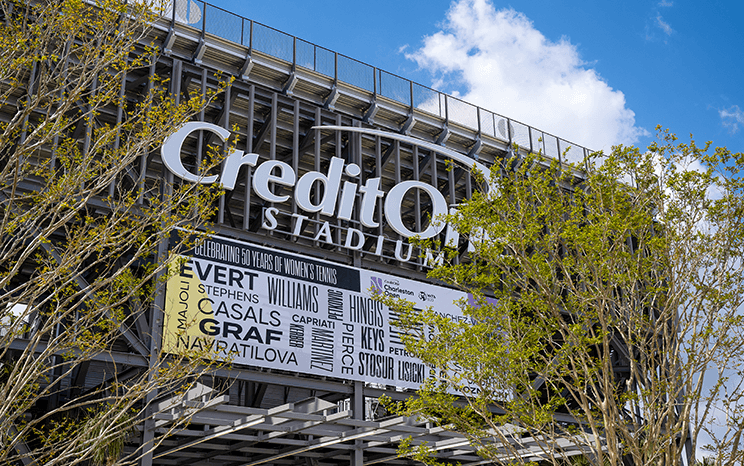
(247, 67)
(200, 49)
(288, 88)
(330, 101)
(443, 136)
(475, 148)
(408, 125)
(369, 114)
(170, 39)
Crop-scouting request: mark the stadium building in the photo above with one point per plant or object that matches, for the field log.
(285, 281)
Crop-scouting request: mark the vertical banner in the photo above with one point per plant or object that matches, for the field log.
(272, 309)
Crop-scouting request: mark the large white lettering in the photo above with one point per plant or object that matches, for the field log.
(394, 201)
(335, 191)
(171, 152)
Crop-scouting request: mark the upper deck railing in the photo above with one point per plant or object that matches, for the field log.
(300, 53)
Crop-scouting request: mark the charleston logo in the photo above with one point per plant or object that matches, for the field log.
(377, 285)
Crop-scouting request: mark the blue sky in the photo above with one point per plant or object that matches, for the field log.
(596, 73)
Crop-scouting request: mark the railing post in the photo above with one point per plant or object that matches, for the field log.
(411, 93)
(508, 131)
(478, 111)
(204, 19)
(375, 78)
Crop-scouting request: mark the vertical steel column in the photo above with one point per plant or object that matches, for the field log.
(357, 454)
(272, 128)
(226, 110)
(91, 119)
(31, 79)
(434, 171)
(416, 177)
(417, 203)
(273, 115)
(469, 186)
(295, 146)
(356, 156)
(316, 162)
(378, 174)
(156, 319)
(143, 160)
(451, 181)
(55, 139)
(119, 117)
(156, 315)
(148, 434)
(396, 152)
(339, 154)
(248, 149)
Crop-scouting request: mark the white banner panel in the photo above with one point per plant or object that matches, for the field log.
(274, 309)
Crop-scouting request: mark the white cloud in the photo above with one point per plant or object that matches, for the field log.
(664, 25)
(666, 3)
(732, 118)
(507, 66)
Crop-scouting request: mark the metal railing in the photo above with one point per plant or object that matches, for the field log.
(300, 53)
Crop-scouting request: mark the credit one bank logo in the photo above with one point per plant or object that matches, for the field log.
(339, 194)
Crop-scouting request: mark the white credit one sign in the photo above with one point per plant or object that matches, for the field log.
(340, 191)
(273, 309)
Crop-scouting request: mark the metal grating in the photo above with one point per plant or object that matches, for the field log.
(394, 87)
(222, 23)
(427, 99)
(270, 41)
(356, 73)
(462, 112)
(571, 153)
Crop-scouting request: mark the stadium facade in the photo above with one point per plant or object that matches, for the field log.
(283, 287)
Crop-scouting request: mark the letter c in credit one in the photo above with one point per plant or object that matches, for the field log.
(171, 153)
